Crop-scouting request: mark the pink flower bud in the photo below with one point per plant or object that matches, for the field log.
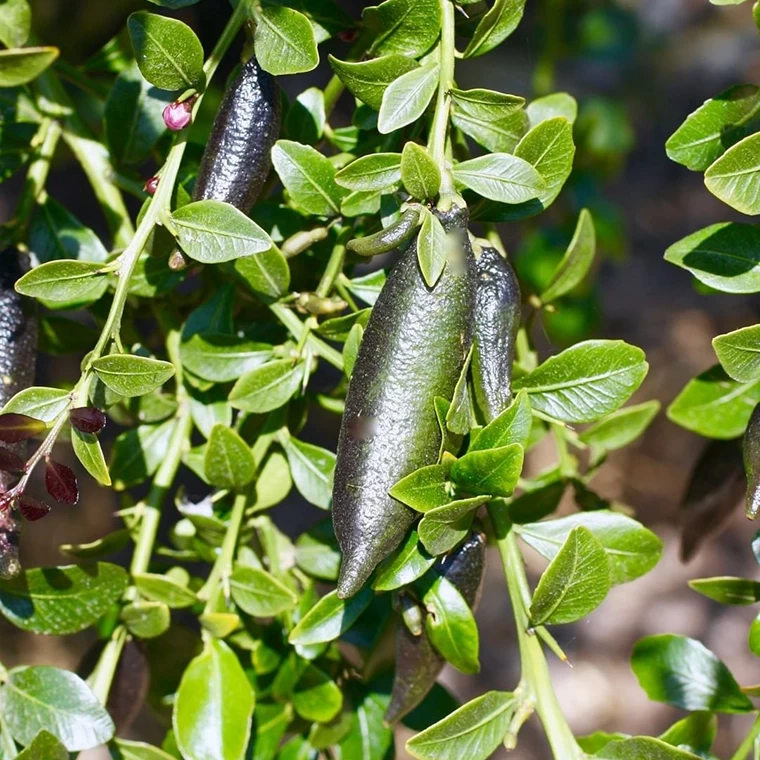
(178, 115)
(151, 185)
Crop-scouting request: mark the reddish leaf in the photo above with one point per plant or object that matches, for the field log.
(10, 462)
(30, 508)
(87, 419)
(19, 427)
(61, 482)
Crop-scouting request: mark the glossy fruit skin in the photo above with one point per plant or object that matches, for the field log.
(413, 350)
(418, 663)
(18, 353)
(237, 158)
(393, 236)
(497, 320)
(752, 464)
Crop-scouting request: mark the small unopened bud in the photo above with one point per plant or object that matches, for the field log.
(348, 35)
(178, 115)
(177, 261)
(151, 185)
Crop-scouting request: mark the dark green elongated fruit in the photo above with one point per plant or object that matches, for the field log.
(18, 353)
(393, 236)
(237, 158)
(752, 464)
(418, 663)
(413, 350)
(497, 320)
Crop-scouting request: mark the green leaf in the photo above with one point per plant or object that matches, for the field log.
(575, 583)
(622, 427)
(167, 51)
(735, 176)
(213, 232)
(316, 696)
(739, 353)
(15, 23)
(111, 543)
(285, 41)
(643, 748)
(458, 419)
(431, 249)
(339, 328)
(42, 698)
(44, 404)
(455, 511)
(724, 256)
(424, 489)
(576, 262)
(87, 449)
(213, 710)
(684, 673)
(329, 618)
(61, 600)
(309, 178)
(377, 171)
(408, 27)
(64, 281)
(501, 20)
(369, 737)
(267, 274)
(407, 97)
(728, 590)
(137, 454)
(419, 173)
(260, 594)
(164, 589)
(694, 733)
(270, 724)
(228, 462)
(273, 483)
(130, 375)
(21, 65)
(15, 147)
(267, 387)
(714, 405)
(713, 127)
(473, 731)
(511, 426)
(146, 620)
(44, 746)
(500, 177)
(128, 750)
(440, 537)
(489, 471)
(306, 117)
(494, 120)
(351, 349)
(222, 358)
(632, 550)
(753, 640)
(587, 381)
(317, 552)
(312, 469)
(536, 504)
(450, 625)
(368, 80)
(409, 562)
(552, 106)
(368, 286)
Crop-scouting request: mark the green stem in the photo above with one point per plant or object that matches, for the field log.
(749, 741)
(296, 329)
(8, 745)
(335, 264)
(102, 677)
(565, 460)
(535, 671)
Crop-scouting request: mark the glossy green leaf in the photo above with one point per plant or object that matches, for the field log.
(739, 353)
(511, 426)
(21, 65)
(50, 699)
(406, 98)
(694, 733)
(622, 427)
(408, 27)
(419, 172)
(714, 405)
(501, 177)
(44, 404)
(214, 705)
(682, 672)
(274, 481)
(489, 471)
(130, 375)
(305, 122)
(267, 274)
(146, 619)
(438, 537)
(377, 171)
(87, 450)
(494, 120)
(368, 286)
(735, 176)
(64, 281)
(167, 51)
(501, 20)
(270, 722)
(576, 262)
(317, 551)
(552, 106)
(222, 358)
(368, 738)
(267, 387)
(316, 696)
(164, 589)
(329, 618)
(312, 469)
(61, 600)
(455, 511)
(424, 489)
(260, 594)
(728, 590)
(474, 731)
(643, 748)
(632, 550)
(285, 41)
(367, 80)
(431, 249)
(228, 462)
(408, 563)
(15, 23)
(587, 381)
(575, 583)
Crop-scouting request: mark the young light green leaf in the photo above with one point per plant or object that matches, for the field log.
(724, 256)
(285, 41)
(61, 600)
(368, 80)
(587, 381)
(317, 552)
(643, 747)
(260, 594)
(222, 358)
(632, 550)
(694, 733)
(329, 618)
(739, 353)
(228, 462)
(408, 27)
(501, 177)
(728, 590)
(214, 705)
(489, 471)
(213, 232)
(455, 511)
(369, 737)
(44, 746)
(407, 97)
(167, 51)
(682, 672)
(458, 420)
(316, 696)
(267, 274)
(87, 449)
(406, 565)
(622, 427)
(576, 262)
(15, 23)
(438, 537)
(267, 387)
(64, 281)
(377, 171)
(368, 286)
(714, 405)
(351, 349)
(21, 65)
(39, 698)
(146, 620)
(493, 119)
(474, 731)
(130, 375)
(511, 426)
(44, 404)
(501, 20)
(424, 489)
(735, 176)
(575, 583)
(309, 178)
(312, 469)
(431, 249)
(164, 589)
(552, 106)
(419, 173)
